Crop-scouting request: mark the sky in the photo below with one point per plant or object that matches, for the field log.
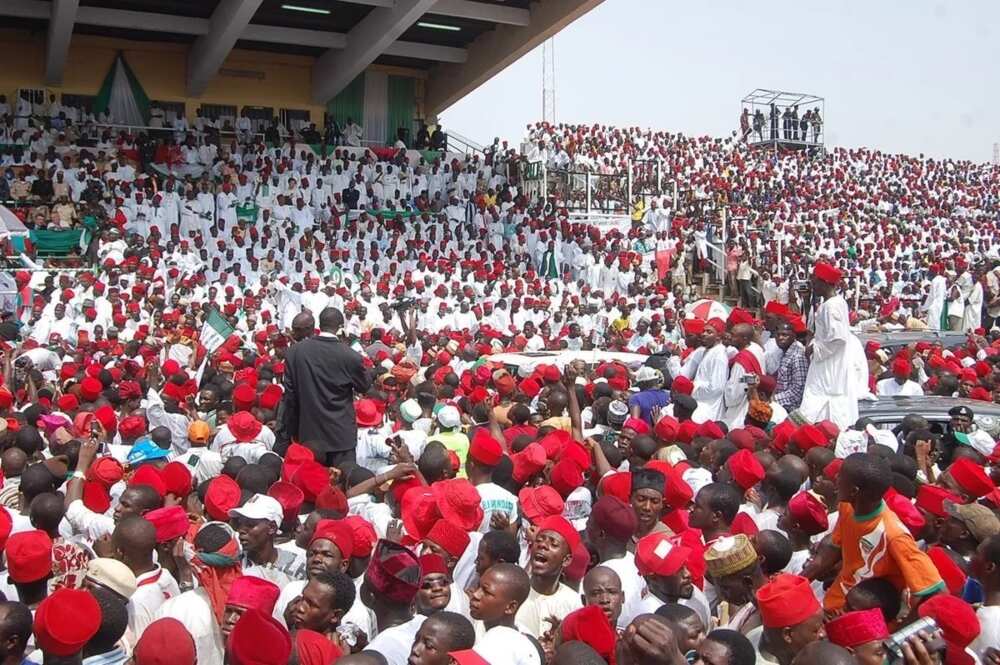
(909, 76)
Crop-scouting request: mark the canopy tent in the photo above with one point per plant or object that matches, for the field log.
(122, 96)
(10, 225)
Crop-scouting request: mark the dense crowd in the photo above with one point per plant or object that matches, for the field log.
(288, 412)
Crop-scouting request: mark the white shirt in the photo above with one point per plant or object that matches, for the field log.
(87, 523)
(989, 633)
(891, 388)
(501, 645)
(495, 499)
(533, 613)
(193, 609)
(154, 588)
(395, 643)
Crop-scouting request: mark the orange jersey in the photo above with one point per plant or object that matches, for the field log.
(879, 545)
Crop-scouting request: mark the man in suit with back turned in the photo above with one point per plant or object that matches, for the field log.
(322, 374)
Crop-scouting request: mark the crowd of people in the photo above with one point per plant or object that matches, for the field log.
(267, 419)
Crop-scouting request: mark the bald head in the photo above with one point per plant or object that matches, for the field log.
(824, 653)
(13, 461)
(742, 334)
(135, 536)
(303, 325)
(513, 578)
(602, 576)
(46, 512)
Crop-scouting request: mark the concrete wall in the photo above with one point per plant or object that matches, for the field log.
(248, 78)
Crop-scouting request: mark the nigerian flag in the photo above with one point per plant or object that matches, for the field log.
(215, 331)
(122, 96)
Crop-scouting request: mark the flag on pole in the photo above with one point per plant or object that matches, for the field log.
(215, 331)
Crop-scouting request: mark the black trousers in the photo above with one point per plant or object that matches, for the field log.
(336, 458)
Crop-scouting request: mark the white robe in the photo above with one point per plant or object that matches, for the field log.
(935, 301)
(735, 395)
(710, 384)
(890, 388)
(832, 384)
(973, 308)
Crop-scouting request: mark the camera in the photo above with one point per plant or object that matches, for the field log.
(894, 643)
(405, 303)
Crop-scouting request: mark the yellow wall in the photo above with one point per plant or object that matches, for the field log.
(161, 68)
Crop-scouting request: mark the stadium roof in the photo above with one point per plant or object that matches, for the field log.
(460, 43)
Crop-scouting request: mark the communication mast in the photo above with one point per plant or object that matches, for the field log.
(549, 80)
(996, 154)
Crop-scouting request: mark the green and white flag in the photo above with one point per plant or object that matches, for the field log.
(215, 331)
(336, 276)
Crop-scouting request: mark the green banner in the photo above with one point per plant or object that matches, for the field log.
(58, 243)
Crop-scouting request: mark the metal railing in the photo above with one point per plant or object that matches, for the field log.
(458, 143)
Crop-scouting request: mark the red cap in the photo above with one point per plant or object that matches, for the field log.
(537, 503)
(561, 526)
(853, 629)
(253, 593)
(745, 469)
(149, 475)
(452, 539)
(315, 648)
(244, 426)
(223, 495)
(953, 576)
(787, 600)
(808, 437)
(931, 498)
(808, 513)
(657, 554)
(484, 448)
(258, 639)
(177, 479)
(467, 657)
(590, 625)
(565, 477)
(970, 477)
(528, 462)
(312, 478)
(364, 536)
(171, 523)
(710, 430)
(682, 385)
(827, 273)
(958, 623)
(165, 642)
(65, 621)
(29, 556)
(459, 502)
(289, 496)
(337, 532)
(666, 428)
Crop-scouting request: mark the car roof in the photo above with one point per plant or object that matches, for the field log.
(901, 338)
(932, 407)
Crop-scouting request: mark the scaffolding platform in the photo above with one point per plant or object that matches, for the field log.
(783, 121)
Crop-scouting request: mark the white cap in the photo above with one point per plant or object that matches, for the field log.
(449, 417)
(646, 374)
(260, 507)
(982, 442)
(410, 410)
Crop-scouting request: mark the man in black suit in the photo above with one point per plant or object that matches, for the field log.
(322, 374)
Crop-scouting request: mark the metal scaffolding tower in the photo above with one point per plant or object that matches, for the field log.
(549, 80)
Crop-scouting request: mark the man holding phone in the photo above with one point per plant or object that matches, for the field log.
(744, 373)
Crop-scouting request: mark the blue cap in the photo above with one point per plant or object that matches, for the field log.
(144, 450)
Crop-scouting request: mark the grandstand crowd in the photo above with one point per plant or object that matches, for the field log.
(289, 402)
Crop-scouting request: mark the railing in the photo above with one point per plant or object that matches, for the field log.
(458, 143)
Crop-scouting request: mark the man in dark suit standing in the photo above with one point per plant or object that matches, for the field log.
(322, 374)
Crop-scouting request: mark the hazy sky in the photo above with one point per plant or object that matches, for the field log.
(903, 76)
